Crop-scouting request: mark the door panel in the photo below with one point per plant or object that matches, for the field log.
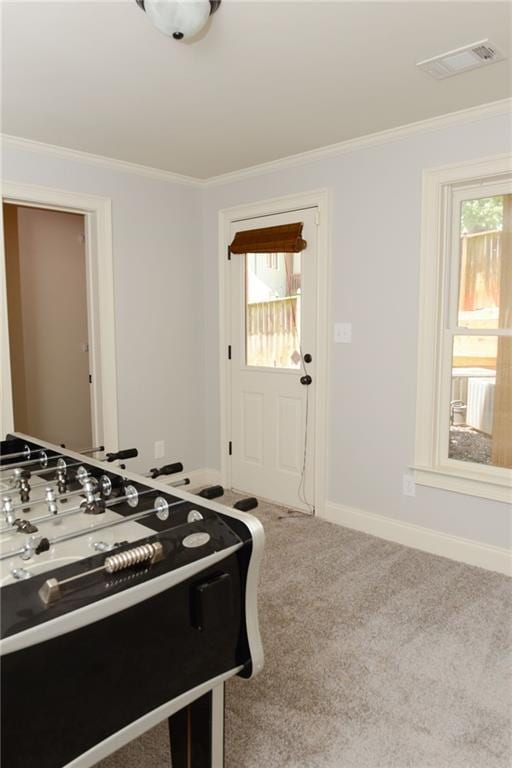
(252, 426)
(273, 313)
(289, 433)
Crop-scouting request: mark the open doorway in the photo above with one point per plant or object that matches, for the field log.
(47, 304)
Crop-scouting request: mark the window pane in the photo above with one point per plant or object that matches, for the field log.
(273, 296)
(485, 281)
(481, 400)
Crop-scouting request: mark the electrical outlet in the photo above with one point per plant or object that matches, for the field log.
(408, 485)
(159, 449)
(343, 333)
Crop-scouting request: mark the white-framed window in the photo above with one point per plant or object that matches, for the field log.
(464, 397)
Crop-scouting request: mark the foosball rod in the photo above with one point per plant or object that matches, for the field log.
(43, 458)
(28, 451)
(168, 469)
(41, 499)
(46, 470)
(129, 453)
(66, 494)
(63, 465)
(71, 511)
(49, 490)
(62, 468)
(90, 530)
(46, 483)
(12, 479)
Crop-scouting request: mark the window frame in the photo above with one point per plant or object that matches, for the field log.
(443, 189)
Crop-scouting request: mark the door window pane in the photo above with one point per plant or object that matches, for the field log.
(272, 315)
(481, 400)
(484, 246)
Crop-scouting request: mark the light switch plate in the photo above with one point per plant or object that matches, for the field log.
(343, 333)
(159, 449)
(408, 485)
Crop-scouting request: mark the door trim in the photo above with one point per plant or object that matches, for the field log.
(321, 200)
(100, 303)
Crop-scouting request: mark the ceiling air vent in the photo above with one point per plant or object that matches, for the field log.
(462, 59)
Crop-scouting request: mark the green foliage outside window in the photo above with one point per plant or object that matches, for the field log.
(482, 215)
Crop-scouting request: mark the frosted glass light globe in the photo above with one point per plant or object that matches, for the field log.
(178, 18)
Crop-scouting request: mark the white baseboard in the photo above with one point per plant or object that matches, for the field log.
(198, 478)
(437, 543)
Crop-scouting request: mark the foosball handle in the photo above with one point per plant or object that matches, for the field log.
(212, 492)
(129, 453)
(168, 469)
(244, 505)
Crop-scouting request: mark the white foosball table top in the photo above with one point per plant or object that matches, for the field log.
(64, 552)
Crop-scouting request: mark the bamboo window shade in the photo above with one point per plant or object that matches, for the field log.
(286, 238)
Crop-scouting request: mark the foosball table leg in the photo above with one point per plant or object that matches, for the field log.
(197, 732)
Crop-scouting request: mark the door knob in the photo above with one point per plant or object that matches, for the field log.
(306, 380)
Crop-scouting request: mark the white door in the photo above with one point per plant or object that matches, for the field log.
(273, 312)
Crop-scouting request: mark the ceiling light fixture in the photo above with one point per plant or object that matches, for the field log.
(180, 19)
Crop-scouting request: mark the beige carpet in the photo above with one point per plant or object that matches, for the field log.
(377, 656)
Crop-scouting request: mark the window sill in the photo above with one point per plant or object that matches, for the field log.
(469, 483)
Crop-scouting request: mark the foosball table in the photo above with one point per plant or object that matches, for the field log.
(125, 601)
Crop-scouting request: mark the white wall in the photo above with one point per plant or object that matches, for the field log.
(158, 292)
(167, 312)
(376, 199)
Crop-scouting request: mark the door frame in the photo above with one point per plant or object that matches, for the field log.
(320, 199)
(100, 303)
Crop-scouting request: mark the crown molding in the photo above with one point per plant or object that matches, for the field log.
(461, 117)
(65, 153)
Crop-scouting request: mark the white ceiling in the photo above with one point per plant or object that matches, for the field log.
(267, 80)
